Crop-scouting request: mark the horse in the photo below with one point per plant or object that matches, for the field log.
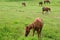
(24, 4)
(37, 25)
(45, 9)
(40, 3)
(46, 1)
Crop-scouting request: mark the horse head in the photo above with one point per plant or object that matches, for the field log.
(27, 31)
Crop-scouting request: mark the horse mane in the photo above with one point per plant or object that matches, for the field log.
(30, 26)
(36, 22)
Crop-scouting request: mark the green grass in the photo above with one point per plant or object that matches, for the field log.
(14, 17)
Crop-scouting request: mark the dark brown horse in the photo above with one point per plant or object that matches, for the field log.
(40, 3)
(36, 26)
(46, 1)
(45, 9)
(24, 4)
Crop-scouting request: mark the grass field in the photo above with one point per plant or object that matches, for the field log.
(14, 17)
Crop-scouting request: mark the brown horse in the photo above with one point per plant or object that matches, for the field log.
(40, 3)
(46, 1)
(24, 4)
(45, 9)
(36, 26)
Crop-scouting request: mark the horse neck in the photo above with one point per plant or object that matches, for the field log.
(30, 26)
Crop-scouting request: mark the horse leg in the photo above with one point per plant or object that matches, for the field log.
(46, 12)
(42, 12)
(33, 31)
(38, 31)
(44, 2)
(41, 4)
(49, 2)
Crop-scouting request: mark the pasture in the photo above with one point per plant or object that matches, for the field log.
(14, 17)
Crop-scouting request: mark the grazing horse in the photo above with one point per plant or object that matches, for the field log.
(36, 26)
(24, 4)
(40, 3)
(45, 9)
(46, 1)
